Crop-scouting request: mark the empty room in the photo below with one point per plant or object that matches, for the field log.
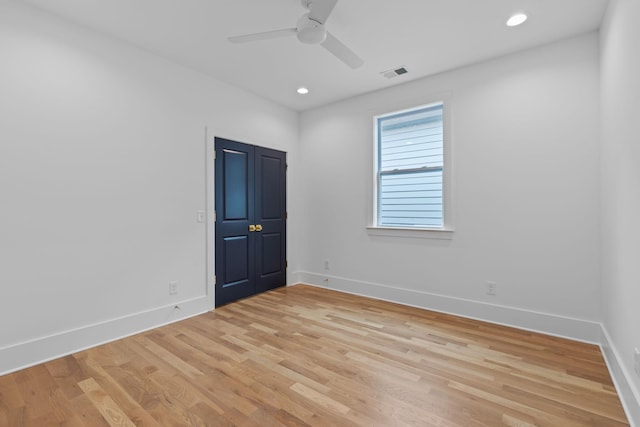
(320, 213)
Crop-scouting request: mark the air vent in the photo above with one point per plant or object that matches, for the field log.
(394, 73)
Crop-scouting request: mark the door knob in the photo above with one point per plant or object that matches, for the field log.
(259, 227)
(252, 227)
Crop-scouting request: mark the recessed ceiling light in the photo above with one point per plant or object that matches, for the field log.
(303, 90)
(516, 20)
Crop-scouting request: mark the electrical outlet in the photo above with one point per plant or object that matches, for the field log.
(491, 288)
(200, 216)
(326, 264)
(173, 287)
(636, 361)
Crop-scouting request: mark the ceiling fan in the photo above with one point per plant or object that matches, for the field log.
(311, 29)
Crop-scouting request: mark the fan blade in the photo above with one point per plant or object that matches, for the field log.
(343, 53)
(319, 10)
(263, 36)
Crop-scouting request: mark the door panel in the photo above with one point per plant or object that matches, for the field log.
(250, 191)
(270, 182)
(271, 259)
(236, 261)
(234, 200)
(236, 186)
(271, 170)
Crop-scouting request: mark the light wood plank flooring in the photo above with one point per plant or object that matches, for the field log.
(307, 356)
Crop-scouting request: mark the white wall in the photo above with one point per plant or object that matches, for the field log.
(102, 170)
(620, 58)
(526, 172)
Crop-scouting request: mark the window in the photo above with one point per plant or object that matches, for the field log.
(410, 168)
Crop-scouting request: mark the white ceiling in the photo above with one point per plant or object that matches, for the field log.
(425, 36)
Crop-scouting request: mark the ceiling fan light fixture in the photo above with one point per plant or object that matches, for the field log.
(310, 31)
(516, 20)
(302, 90)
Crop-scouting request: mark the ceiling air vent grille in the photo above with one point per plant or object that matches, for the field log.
(394, 73)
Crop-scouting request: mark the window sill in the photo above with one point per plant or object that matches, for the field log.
(420, 233)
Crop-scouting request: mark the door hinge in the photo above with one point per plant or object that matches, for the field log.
(214, 280)
(286, 215)
(214, 154)
(286, 264)
(214, 216)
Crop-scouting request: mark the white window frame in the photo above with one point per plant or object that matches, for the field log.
(444, 232)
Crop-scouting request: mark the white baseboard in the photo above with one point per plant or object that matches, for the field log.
(550, 324)
(30, 353)
(629, 395)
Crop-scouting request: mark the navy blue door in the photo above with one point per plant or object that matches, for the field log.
(250, 204)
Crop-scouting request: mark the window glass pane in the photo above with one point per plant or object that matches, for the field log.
(411, 140)
(411, 199)
(408, 141)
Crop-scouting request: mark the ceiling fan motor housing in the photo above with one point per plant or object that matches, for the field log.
(310, 31)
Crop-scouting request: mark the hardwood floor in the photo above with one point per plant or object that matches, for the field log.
(307, 356)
